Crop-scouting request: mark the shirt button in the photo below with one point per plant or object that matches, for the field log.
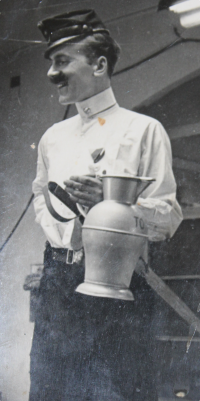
(87, 110)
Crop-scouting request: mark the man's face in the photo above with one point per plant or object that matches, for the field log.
(72, 74)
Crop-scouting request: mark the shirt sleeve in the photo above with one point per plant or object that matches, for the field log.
(58, 234)
(158, 203)
(40, 181)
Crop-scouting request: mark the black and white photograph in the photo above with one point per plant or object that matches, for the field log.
(100, 200)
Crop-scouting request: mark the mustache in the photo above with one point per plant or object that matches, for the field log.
(59, 79)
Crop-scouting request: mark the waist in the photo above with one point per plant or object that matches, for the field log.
(65, 255)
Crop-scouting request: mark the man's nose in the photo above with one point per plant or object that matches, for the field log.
(52, 73)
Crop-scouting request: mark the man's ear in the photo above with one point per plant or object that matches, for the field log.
(100, 66)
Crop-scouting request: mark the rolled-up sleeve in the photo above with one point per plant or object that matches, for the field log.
(158, 202)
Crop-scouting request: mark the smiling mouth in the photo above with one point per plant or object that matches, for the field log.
(62, 85)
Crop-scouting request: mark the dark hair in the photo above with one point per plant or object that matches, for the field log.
(101, 44)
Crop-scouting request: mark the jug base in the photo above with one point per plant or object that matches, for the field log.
(105, 291)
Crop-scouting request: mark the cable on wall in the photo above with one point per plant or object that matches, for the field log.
(18, 222)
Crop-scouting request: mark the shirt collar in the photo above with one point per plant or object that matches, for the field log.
(96, 104)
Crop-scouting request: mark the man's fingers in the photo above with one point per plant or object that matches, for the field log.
(75, 185)
(72, 186)
(86, 180)
(83, 195)
(82, 202)
(86, 191)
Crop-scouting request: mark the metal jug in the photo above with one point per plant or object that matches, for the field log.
(114, 237)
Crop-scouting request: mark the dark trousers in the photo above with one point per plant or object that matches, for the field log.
(90, 348)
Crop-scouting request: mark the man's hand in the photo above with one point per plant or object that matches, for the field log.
(85, 190)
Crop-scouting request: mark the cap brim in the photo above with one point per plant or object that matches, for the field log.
(58, 43)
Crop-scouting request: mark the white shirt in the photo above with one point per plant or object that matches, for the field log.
(131, 141)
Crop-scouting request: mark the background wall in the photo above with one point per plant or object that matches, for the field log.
(156, 75)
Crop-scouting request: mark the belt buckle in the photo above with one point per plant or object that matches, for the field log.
(70, 257)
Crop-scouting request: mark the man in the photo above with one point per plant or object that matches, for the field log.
(84, 347)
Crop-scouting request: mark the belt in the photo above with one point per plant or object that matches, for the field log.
(67, 256)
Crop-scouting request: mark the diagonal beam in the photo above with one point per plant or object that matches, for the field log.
(158, 285)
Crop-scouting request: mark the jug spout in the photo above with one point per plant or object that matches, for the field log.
(143, 184)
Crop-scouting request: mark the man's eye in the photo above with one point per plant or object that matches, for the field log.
(59, 63)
